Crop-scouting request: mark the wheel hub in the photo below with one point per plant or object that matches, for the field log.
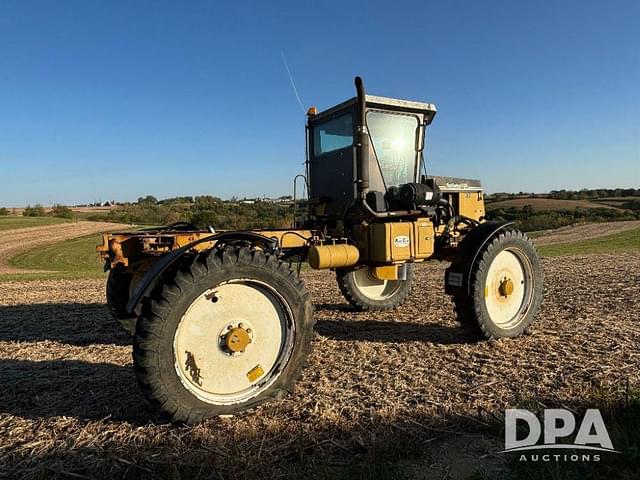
(237, 339)
(506, 287)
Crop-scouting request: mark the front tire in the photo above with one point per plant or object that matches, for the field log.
(505, 287)
(367, 293)
(231, 331)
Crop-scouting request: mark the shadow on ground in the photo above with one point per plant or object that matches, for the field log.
(393, 331)
(71, 323)
(67, 418)
(72, 388)
(87, 422)
(78, 419)
(95, 390)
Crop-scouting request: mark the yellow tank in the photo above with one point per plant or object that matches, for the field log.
(394, 242)
(333, 256)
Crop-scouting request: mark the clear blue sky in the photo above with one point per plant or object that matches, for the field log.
(118, 99)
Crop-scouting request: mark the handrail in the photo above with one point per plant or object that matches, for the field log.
(306, 184)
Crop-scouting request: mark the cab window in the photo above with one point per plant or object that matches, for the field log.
(333, 134)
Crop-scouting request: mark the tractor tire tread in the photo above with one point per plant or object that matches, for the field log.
(172, 398)
(469, 307)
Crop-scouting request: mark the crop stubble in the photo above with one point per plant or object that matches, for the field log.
(380, 387)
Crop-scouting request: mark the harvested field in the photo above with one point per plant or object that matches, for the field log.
(385, 395)
(22, 239)
(616, 201)
(14, 222)
(17, 211)
(547, 204)
(583, 232)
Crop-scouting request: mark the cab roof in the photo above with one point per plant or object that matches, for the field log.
(385, 103)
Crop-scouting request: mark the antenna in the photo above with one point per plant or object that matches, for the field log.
(293, 84)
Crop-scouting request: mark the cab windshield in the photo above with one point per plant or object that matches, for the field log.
(394, 138)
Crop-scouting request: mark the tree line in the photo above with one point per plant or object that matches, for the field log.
(201, 211)
(528, 220)
(583, 194)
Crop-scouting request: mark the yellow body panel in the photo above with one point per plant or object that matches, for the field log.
(386, 272)
(394, 242)
(424, 238)
(391, 242)
(471, 204)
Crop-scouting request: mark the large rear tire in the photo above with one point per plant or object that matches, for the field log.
(119, 284)
(505, 291)
(231, 331)
(367, 293)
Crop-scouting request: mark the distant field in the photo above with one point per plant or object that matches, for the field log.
(85, 214)
(79, 213)
(583, 231)
(615, 201)
(75, 258)
(11, 222)
(18, 211)
(547, 204)
(65, 250)
(619, 242)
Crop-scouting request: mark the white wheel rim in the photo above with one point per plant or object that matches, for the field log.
(374, 288)
(204, 364)
(507, 289)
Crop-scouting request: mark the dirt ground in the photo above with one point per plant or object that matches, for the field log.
(21, 239)
(582, 232)
(387, 394)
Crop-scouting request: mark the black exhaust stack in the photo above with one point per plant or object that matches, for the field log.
(362, 141)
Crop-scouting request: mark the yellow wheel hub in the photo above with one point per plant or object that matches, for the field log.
(506, 287)
(237, 339)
